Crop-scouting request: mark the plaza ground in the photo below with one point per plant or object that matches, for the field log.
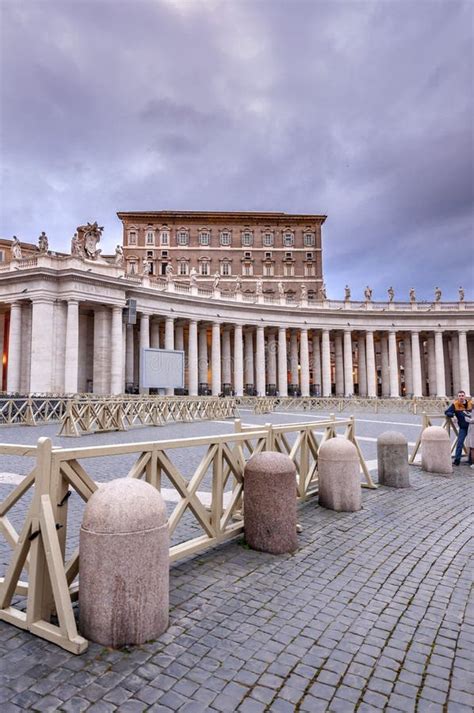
(370, 614)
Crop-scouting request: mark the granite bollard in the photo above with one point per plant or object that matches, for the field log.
(392, 460)
(436, 451)
(124, 564)
(339, 479)
(270, 503)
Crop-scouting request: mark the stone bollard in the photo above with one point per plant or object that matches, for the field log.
(339, 479)
(436, 451)
(392, 460)
(124, 564)
(270, 503)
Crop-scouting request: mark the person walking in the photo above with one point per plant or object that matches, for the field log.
(458, 409)
(469, 416)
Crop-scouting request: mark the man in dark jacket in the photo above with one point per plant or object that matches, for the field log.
(457, 409)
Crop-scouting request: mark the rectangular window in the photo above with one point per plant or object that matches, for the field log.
(268, 270)
(288, 255)
(247, 255)
(309, 240)
(182, 238)
(225, 268)
(225, 238)
(204, 239)
(267, 239)
(150, 238)
(182, 268)
(247, 270)
(149, 253)
(164, 253)
(288, 240)
(289, 270)
(309, 256)
(132, 238)
(268, 256)
(164, 237)
(2, 256)
(204, 268)
(309, 270)
(247, 238)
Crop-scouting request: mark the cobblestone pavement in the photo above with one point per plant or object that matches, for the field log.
(371, 614)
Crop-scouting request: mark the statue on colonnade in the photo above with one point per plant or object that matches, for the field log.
(15, 249)
(412, 295)
(86, 239)
(304, 292)
(119, 256)
(324, 294)
(169, 272)
(461, 294)
(43, 244)
(193, 277)
(437, 294)
(368, 294)
(281, 289)
(347, 293)
(216, 280)
(238, 284)
(391, 294)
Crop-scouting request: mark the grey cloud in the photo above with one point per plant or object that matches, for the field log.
(362, 111)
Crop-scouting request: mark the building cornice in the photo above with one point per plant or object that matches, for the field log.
(220, 215)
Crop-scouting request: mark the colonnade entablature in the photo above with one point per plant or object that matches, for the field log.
(63, 329)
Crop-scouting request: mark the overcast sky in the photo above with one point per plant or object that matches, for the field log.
(359, 110)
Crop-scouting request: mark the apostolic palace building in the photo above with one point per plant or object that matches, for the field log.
(242, 294)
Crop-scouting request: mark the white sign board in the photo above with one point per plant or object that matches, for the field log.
(162, 369)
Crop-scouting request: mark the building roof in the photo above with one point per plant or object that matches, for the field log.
(261, 215)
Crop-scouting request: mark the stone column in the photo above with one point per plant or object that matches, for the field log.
(260, 359)
(144, 344)
(124, 354)
(238, 361)
(192, 359)
(348, 377)
(226, 357)
(249, 369)
(304, 356)
(155, 333)
(41, 346)
(216, 359)
(339, 364)
(116, 366)
(169, 344)
(282, 363)
(203, 363)
(179, 338)
(130, 352)
(294, 358)
(423, 357)
(317, 365)
(455, 364)
(408, 366)
(439, 356)
(385, 373)
(371, 370)
(326, 363)
(430, 343)
(271, 358)
(59, 363)
(447, 367)
(416, 361)
(14, 349)
(393, 364)
(361, 366)
(464, 363)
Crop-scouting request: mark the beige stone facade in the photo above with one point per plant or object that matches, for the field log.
(273, 252)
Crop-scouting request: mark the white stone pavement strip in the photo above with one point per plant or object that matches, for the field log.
(304, 416)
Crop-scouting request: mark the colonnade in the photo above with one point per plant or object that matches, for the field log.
(64, 346)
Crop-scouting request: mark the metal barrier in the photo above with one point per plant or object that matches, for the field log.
(266, 404)
(446, 422)
(40, 547)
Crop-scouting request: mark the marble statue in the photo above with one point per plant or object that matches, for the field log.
(391, 294)
(119, 255)
(169, 273)
(437, 294)
(347, 293)
(15, 249)
(193, 277)
(238, 284)
(216, 280)
(259, 286)
(461, 294)
(304, 292)
(145, 267)
(368, 294)
(76, 248)
(324, 294)
(281, 289)
(412, 295)
(43, 243)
